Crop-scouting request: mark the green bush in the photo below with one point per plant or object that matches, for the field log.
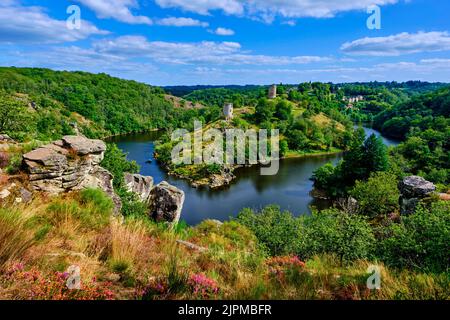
(377, 196)
(132, 206)
(350, 237)
(92, 208)
(100, 202)
(278, 231)
(116, 162)
(421, 240)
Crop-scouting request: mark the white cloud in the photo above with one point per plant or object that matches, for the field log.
(291, 23)
(205, 52)
(31, 24)
(116, 9)
(223, 32)
(203, 7)
(182, 22)
(399, 44)
(268, 9)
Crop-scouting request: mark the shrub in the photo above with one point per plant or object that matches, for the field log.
(285, 267)
(421, 240)
(15, 163)
(97, 200)
(329, 231)
(203, 287)
(278, 231)
(91, 209)
(350, 237)
(132, 206)
(377, 196)
(34, 285)
(116, 162)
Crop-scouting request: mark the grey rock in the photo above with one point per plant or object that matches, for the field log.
(416, 187)
(412, 190)
(25, 195)
(72, 163)
(141, 185)
(166, 203)
(4, 194)
(84, 146)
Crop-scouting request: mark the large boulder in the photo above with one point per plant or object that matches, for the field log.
(141, 185)
(166, 203)
(72, 163)
(84, 146)
(412, 190)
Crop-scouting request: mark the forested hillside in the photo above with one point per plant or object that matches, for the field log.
(46, 104)
(426, 111)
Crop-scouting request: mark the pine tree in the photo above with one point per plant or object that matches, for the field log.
(375, 155)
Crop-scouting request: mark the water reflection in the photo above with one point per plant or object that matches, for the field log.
(290, 188)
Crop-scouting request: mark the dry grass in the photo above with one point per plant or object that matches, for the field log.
(129, 245)
(15, 237)
(53, 234)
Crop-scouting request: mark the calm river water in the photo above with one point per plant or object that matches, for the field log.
(290, 188)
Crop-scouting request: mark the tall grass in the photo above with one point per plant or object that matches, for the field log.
(128, 244)
(15, 237)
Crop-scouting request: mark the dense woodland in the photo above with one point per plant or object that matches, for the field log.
(49, 103)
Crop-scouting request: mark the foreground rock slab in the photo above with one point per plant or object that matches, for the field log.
(72, 163)
(166, 203)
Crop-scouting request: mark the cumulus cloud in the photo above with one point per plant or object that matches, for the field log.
(182, 22)
(266, 10)
(399, 44)
(32, 25)
(116, 9)
(205, 52)
(223, 32)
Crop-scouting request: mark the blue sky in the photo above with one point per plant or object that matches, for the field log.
(187, 42)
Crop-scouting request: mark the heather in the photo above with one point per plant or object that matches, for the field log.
(135, 258)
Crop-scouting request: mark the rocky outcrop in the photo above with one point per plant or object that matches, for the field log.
(166, 203)
(412, 190)
(14, 193)
(139, 184)
(72, 163)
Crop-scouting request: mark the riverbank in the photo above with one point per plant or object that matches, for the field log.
(226, 175)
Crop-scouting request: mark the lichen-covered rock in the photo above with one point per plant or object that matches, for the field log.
(84, 146)
(166, 203)
(141, 185)
(412, 190)
(72, 163)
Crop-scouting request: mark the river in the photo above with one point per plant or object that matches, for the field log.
(290, 188)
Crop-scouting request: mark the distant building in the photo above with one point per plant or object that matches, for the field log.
(354, 99)
(273, 91)
(228, 111)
